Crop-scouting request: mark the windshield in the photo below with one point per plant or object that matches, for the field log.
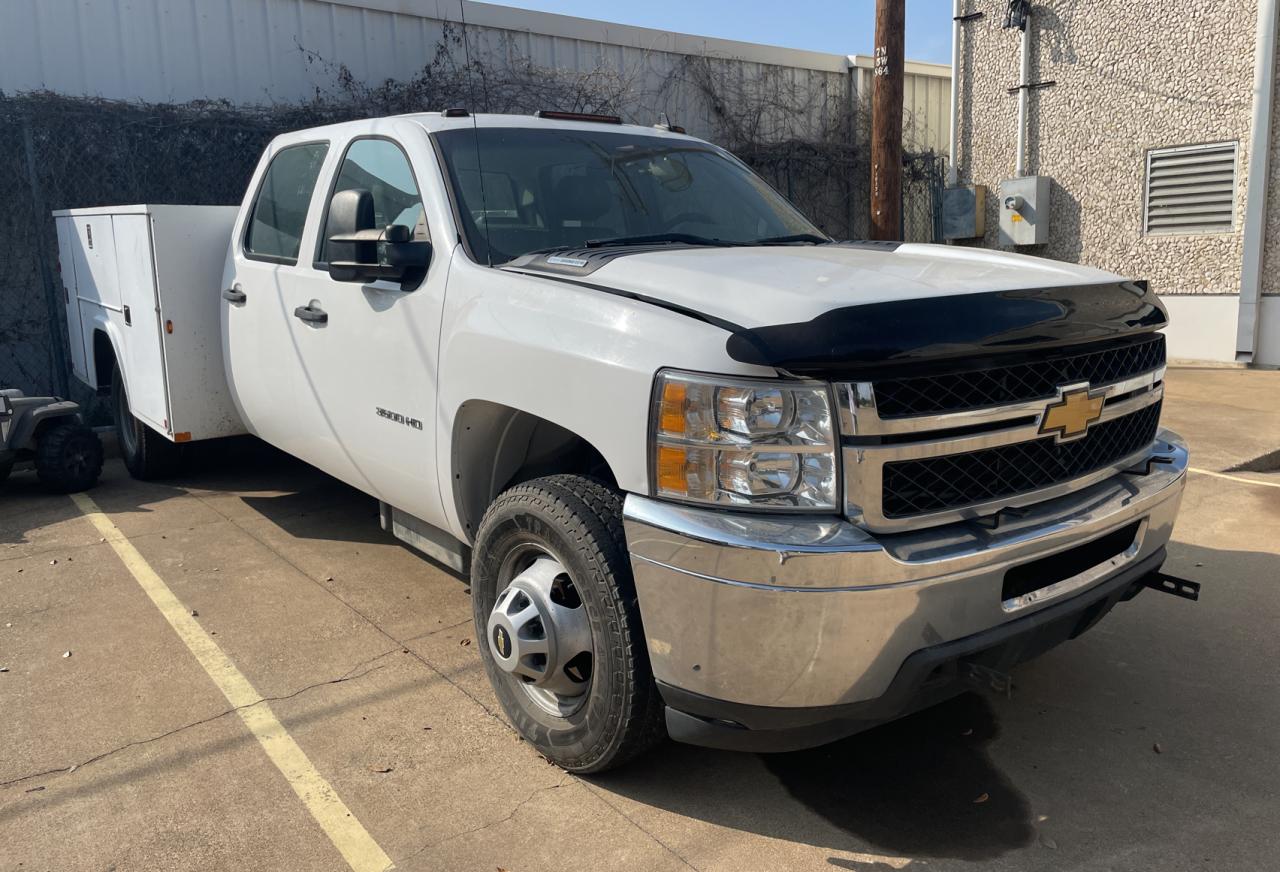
(523, 190)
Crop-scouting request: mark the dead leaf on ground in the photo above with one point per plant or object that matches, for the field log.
(465, 642)
(1157, 748)
(982, 798)
(381, 770)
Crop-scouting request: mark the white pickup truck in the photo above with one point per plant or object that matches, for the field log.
(711, 473)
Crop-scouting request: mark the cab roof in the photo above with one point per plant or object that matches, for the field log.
(438, 121)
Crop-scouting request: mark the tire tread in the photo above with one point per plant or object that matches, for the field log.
(49, 449)
(590, 514)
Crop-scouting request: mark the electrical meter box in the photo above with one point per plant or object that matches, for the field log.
(963, 210)
(1024, 211)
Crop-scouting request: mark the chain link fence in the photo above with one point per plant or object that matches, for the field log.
(58, 152)
(923, 178)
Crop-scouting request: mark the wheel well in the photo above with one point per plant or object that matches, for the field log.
(104, 360)
(496, 447)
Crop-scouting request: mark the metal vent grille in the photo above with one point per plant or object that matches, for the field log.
(1016, 383)
(1192, 189)
(916, 487)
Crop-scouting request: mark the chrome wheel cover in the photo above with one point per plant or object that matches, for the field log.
(538, 631)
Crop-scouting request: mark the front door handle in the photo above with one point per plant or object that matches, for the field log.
(234, 295)
(313, 314)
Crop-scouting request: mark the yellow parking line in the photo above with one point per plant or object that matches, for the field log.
(1235, 477)
(351, 839)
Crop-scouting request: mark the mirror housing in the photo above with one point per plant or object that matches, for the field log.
(360, 252)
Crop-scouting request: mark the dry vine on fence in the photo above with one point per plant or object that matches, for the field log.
(59, 152)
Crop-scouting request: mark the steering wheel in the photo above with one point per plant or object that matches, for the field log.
(695, 217)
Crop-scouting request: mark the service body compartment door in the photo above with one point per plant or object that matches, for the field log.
(143, 355)
(95, 260)
(70, 296)
(190, 247)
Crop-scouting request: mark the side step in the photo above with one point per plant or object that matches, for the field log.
(421, 536)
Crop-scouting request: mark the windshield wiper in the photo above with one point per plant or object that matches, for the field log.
(658, 239)
(811, 238)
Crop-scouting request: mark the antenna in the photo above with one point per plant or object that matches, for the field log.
(475, 129)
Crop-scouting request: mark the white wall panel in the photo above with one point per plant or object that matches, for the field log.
(257, 51)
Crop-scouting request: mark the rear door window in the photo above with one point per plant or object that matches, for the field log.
(280, 209)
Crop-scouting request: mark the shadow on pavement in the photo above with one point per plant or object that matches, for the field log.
(295, 496)
(914, 787)
(923, 786)
(26, 506)
(1157, 669)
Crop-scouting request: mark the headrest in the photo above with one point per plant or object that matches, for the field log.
(583, 198)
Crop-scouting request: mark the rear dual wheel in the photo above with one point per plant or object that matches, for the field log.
(146, 453)
(558, 623)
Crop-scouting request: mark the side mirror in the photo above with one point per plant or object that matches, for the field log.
(351, 217)
(360, 252)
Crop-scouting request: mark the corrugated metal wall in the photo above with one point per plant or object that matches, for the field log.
(265, 51)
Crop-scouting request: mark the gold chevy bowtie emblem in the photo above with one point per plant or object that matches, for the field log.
(1072, 414)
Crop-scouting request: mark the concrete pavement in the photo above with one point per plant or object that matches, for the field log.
(1148, 743)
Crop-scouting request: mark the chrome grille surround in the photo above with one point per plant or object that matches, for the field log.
(878, 441)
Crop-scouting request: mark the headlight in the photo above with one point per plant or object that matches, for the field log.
(744, 442)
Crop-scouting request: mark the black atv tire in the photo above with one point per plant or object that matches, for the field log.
(68, 457)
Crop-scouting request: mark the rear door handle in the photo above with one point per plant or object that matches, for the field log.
(313, 314)
(234, 295)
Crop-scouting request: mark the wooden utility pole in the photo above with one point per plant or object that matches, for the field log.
(886, 121)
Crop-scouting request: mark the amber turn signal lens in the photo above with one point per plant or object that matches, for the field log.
(671, 418)
(671, 470)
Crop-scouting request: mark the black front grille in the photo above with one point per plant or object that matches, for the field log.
(937, 484)
(1015, 383)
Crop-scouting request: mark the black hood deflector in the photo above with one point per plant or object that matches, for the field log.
(870, 338)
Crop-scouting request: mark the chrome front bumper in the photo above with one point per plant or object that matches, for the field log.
(790, 612)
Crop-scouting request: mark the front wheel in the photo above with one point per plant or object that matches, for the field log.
(146, 453)
(558, 623)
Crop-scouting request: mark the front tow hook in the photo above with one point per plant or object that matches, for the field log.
(1166, 583)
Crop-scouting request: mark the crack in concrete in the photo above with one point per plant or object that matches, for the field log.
(372, 623)
(75, 767)
(563, 782)
(670, 850)
(403, 644)
(438, 630)
(13, 554)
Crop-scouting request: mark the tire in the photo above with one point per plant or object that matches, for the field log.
(578, 522)
(68, 457)
(146, 453)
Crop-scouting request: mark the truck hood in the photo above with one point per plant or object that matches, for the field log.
(757, 287)
(833, 307)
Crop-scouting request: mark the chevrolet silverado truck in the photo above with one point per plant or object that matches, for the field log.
(710, 473)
